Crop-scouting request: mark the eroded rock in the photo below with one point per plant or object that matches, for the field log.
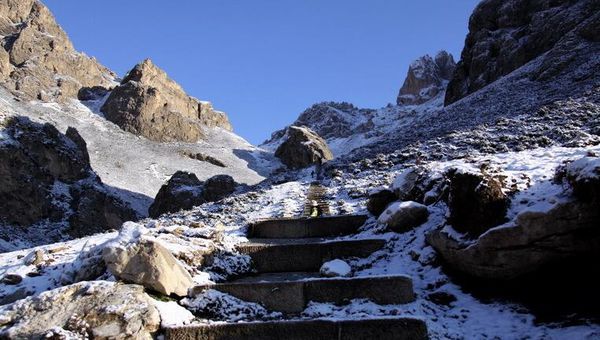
(427, 77)
(302, 148)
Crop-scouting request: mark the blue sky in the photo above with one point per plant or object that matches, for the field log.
(265, 61)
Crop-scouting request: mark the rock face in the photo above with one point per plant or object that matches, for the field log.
(427, 77)
(144, 261)
(476, 202)
(404, 216)
(37, 60)
(302, 148)
(98, 310)
(45, 175)
(504, 35)
(150, 104)
(184, 190)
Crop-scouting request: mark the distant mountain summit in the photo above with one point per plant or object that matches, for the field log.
(426, 78)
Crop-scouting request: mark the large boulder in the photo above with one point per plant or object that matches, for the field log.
(184, 191)
(404, 216)
(46, 175)
(150, 104)
(134, 257)
(476, 202)
(427, 77)
(98, 310)
(505, 35)
(37, 59)
(302, 148)
(379, 200)
(584, 177)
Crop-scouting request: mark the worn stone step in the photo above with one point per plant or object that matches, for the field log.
(401, 328)
(327, 226)
(297, 255)
(290, 292)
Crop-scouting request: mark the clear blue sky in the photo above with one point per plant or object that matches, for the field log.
(265, 61)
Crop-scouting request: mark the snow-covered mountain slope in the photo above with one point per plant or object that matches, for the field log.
(136, 167)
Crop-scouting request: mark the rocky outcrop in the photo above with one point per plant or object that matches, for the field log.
(143, 260)
(37, 59)
(302, 148)
(379, 200)
(505, 35)
(46, 176)
(427, 77)
(476, 202)
(150, 104)
(184, 191)
(86, 310)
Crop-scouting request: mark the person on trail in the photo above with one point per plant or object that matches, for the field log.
(315, 210)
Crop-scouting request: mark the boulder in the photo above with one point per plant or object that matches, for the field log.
(409, 184)
(427, 77)
(583, 176)
(379, 200)
(404, 216)
(134, 257)
(532, 240)
(183, 191)
(302, 148)
(150, 104)
(476, 202)
(218, 187)
(42, 62)
(505, 35)
(98, 310)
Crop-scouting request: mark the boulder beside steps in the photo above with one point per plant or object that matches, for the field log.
(286, 256)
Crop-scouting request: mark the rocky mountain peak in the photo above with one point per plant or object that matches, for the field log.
(426, 78)
(149, 103)
(37, 59)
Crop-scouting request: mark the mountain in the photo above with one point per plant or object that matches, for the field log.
(426, 78)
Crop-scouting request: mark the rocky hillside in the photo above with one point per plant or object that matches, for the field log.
(427, 77)
(505, 35)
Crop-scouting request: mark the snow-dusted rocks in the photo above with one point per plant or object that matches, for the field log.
(302, 148)
(476, 202)
(133, 257)
(150, 104)
(335, 268)
(46, 177)
(426, 78)
(99, 310)
(184, 191)
(379, 199)
(37, 60)
(584, 177)
(504, 35)
(404, 216)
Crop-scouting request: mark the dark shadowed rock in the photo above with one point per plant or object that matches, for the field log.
(182, 192)
(583, 176)
(404, 216)
(379, 200)
(150, 104)
(476, 202)
(504, 35)
(218, 187)
(426, 78)
(302, 148)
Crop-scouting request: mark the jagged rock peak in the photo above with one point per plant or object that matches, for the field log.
(426, 78)
(37, 59)
(506, 34)
(149, 103)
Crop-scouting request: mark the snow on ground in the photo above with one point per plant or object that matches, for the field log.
(135, 168)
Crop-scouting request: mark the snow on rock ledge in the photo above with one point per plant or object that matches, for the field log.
(335, 268)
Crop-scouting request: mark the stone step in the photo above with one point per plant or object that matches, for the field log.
(401, 328)
(290, 292)
(303, 255)
(327, 226)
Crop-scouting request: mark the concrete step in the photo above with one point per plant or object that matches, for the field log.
(379, 328)
(297, 255)
(290, 292)
(327, 226)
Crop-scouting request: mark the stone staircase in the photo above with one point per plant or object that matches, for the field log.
(287, 255)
